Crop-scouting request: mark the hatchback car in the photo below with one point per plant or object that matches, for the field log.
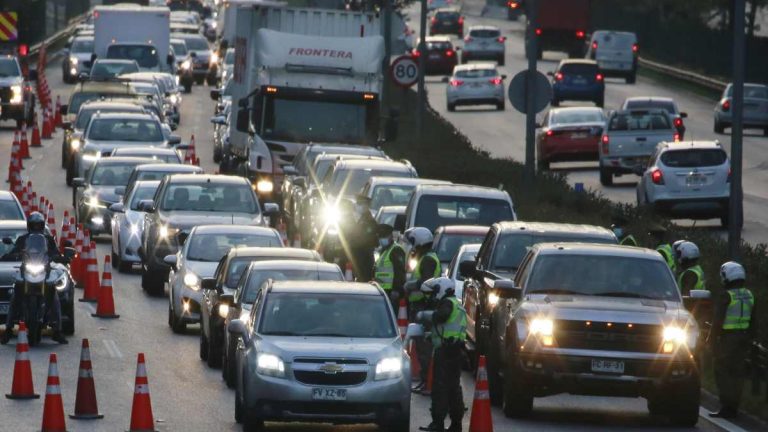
(476, 84)
(755, 108)
(128, 225)
(657, 102)
(441, 55)
(202, 250)
(615, 53)
(484, 43)
(392, 191)
(688, 179)
(447, 21)
(579, 80)
(569, 134)
(315, 368)
(104, 69)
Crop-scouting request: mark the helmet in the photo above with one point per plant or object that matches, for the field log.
(36, 223)
(688, 251)
(732, 271)
(418, 236)
(676, 247)
(440, 286)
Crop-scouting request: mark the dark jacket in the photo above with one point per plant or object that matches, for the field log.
(21, 243)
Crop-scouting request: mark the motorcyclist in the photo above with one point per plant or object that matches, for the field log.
(35, 225)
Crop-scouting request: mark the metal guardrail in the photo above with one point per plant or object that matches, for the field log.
(758, 368)
(58, 36)
(683, 74)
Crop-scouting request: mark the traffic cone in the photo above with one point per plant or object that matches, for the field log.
(33, 203)
(35, 142)
(191, 153)
(348, 275)
(64, 231)
(53, 409)
(24, 200)
(141, 411)
(52, 221)
(16, 184)
(105, 306)
(415, 365)
(76, 265)
(57, 114)
(23, 143)
(197, 161)
(480, 419)
(72, 231)
(22, 387)
(47, 131)
(86, 407)
(91, 288)
(12, 165)
(402, 318)
(16, 150)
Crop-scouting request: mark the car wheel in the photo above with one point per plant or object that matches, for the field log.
(203, 346)
(606, 176)
(724, 220)
(115, 260)
(214, 351)
(199, 81)
(124, 266)
(152, 282)
(630, 79)
(500, 61)
(495, 384)
(70, 173)
(518, 398)
(63, 154)
(238, 406)
(600, 102)
(719, 127)
(211, 81)
(501, 106)
(252, 423)
(451, 107)
(401, 424)
(228, 369)
(542, 164)
(656, 406)
(217, 155)
(188, 87)
(685, 397)
(765, 132)
(177, 325)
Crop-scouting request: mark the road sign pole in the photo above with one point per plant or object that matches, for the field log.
(385, 104)
(736, 210)
(530, 116)
(422, 94)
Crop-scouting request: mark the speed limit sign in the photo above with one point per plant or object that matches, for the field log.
(404, 71)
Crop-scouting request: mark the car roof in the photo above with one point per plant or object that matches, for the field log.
(233, 229)
(13, 224)
(207, 178)
(439, 38)
(565, 248)
(325, 287)
(469, 247)
(256, 251)
(112, 105)
(575, 109)
(552, 227)
(649, 99)
(109, 60)
(145, 149)
(691, 145)
(172, 167)
(462, 229)
(111, 86)
(119, 160)
(461, 190)
(125, 115)
(331, 156)
(140, 75)
(279, 264)
(372, 164)
(82, 37)
(612, 32)
(475, 66)
(145, 183)
(6, 195)
(403, 181)
(392, 209)
(641, 111)
(448, 9)
(344, 148)
(578, 61)
(483, 27)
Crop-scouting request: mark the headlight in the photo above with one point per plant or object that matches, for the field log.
(94, 202)
(91, 157)
(493, 298)
(265, 186)
(224, 75)
(673, 337)
(174, 99)
(17, 94)
(223, 310)
(166, 231)
(331, 214)
(73, 61)
(192, 281)
(61, 283)
(543, 329)
(34, 269)
(186, 64)
(133, 228)
(75, 143)
(388, 368)
(271, 365)
(214, 58)
(214, 24)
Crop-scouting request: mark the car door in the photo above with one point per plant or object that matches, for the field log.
(472, 287)
(211, 298)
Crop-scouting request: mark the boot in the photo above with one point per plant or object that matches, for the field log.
(724, 413)
(419, 387)
(59, 337)
(433, 427)
(454, 427)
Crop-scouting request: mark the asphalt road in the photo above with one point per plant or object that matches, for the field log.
(186, 394)
(503, 133)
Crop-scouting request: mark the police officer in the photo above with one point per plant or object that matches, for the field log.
(619, 222)
(389, 271)
(35, 225)
(427, 267)
(691, 275)
(362, 238)
(449, 330)
(659, 234)
(733, 329)
(676, 251)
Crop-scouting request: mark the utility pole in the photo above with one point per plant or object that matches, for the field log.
(532, 12)
(736, 210)
(422, 48)
(384, 101)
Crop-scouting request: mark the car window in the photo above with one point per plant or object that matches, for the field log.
(573, 117)
(476, 73)
(486, 244)
(434, 211)
(211, 247)
(511, 248)
(602, 275)
(257, 277)
(438, 46)
(652, 104)
(82, 46)
(333, 315)
(9, 210)
(85, 114)
(145, 55)
(639, 120)
(390, 195)
(179, 48)
(110, 69)
(111, 174)
(209, 197)
(578, 69)
(444, 15)
(449, 244)
(484, 33)
(144, 192)
(615, 41)
(9, 68)
(197, 44)
(350, 182)
(135, 130)
(751, 91)
(154, 175)
(694, 158)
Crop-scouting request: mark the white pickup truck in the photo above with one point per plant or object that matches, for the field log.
(629, 140)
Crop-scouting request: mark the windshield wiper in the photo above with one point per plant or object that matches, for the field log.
(625, 294)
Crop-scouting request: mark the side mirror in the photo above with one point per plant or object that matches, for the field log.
(683, 115)
(193, 54)
(208, 283)
(147, 206)
(174, 140)
(300, 182)
(120, 190)
(117, 207)
(171, 260)
(78, 182)
(467, 269)
(506, 289)
(290, 170)
(414, 330)
(228, 299)
(537, 125)
(700, 295)
(69, 253)
(400, 223)
(169, 60)
(32, 75)
(243, 120)
(503, 76)
(182, 237)
(215, 94)
(7, 241)
(64, 109)
(237, 327)
(271, 209)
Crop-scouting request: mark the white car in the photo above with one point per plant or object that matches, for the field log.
(476, 84)
(615, 53)
(688, 179)
(128, 225)
(467, 252)
(484, 42)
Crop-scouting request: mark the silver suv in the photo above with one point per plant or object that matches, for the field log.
(687, 179)
(321, 351)
(484, 43)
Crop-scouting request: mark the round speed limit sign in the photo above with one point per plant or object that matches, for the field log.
(404, 71)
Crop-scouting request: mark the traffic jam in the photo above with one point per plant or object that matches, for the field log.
(203, 228)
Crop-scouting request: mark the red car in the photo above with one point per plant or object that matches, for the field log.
(569, 134)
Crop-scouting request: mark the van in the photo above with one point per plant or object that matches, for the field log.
(615, 53)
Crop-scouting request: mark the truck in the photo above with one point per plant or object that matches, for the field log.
(561, 25)
(17, 30)
(300, 76)
(115, 35)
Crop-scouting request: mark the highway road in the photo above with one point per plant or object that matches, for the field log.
(186, 394)
(503, 133)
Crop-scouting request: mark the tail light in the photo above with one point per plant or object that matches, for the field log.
(433, 20)
(468, 39)
(726, 105)
(604, 142)
(456, 83)
(728, 180)
(501, 39)
(495, 81)
(594, 45)
(550, 133)
(513, 4)
(449, 53)
(416, 54)
(634, 48)
(23, 50)
(657, 177)
(538, 32)
(580, 34)
(461, 20)
(676, 137)
(678, 122)
(599, 77)
(559, 76)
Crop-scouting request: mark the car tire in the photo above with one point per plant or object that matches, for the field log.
(765, 132)
(211, 81)
(70, 173)
(501, 106)
(631, 78)
(68, 326)
(203, 351)
(214, 353)
(600, 101)
(606, 176)
(177, 326)
(63, 154)
(518, 398)
(217, 153)
(542, 164)
(724, 220)
(719, 128)
(238, 407)
(500, 61)
(495, 383)
(400, 424)
(228, 367)
(685, 397)
(152, 282)
(464, 59)
(188, 87)
(115, 260)
(124, 266)
(199, 81)
(451, 107)
(252, 423)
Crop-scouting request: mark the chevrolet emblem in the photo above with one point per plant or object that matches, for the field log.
(331, 368)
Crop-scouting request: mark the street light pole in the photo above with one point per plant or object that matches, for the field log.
(422, 48)
(736, 208)
(530, 92)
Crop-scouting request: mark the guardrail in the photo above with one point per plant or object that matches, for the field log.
(58, 36)
(758, 367)
(683, 74)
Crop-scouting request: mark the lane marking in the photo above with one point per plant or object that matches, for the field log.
(112, 348)
(720, 422)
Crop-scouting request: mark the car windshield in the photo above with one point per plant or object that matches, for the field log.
(9, 210)
(694, 158)
(439, 46)
(447, 16)
(615, 41)
(9, 68)
(511, 248)
(330, 315)
(668, 106)
(238, 266)
(165, 157)
(180, 49)
(146, 89)
(111, 174)
(257, 277)
(80, 98)
(484, 33)
(211, 247)
(575, 117)
(448, 244)
(351, 182)
(155, 175)
(145, 55)
(391, 195)
(752, 91)
(602, 275)
(197, 44)
(387, 218)
(476, 73)
(12, 234)
(144, 192)
(134, 130)
(85, 114)
(639, 120)
(435, 210)
(210, 197)
(82, 46)
(578, 69)
(108, 69)
(315, 121)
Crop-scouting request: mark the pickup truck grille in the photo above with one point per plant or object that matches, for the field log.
(593, 335)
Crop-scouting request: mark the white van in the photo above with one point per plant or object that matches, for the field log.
(615, 53)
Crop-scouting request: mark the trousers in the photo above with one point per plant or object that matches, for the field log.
(729, 367)
(447, 398)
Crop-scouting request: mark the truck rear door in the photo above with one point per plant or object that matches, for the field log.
(636, 133)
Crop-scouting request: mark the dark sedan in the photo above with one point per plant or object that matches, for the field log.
(441, 55)
(447, 22)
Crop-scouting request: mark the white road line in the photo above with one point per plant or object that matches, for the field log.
(720, 422)
(112, 348)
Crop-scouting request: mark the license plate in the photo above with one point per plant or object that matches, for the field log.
(580, 81)
(476, 85)
(695, 180)
(4, 309)
(434, 56)
(579, 135)
(609, 366)
(329, 394)
(483, 44)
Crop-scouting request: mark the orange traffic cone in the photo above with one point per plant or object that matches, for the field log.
(16, 150)
(47, 130)
(91, 288)
(86, 407)
(348, 275)
(52, 221)
(24, 200)
(12, 165)
(64, 231)
(480, 420)
(141, 411)
(23, 143)
(57, 114)
(76, 265)
(53, 409)
(105, 308)
(33, 203)
(282, 230)
(35, 134)
(415, 365)
(22, 387)
(191, 153)
(72, 231)
(402, 318)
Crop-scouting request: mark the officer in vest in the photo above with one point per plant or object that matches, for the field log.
(619, 222)
(427, 267)
(733, 330)
(449, 332)
(659, 234)
(691, 275)
(389, 271)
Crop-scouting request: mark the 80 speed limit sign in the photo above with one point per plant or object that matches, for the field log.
(404, 71)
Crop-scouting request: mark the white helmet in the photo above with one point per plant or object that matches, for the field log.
(418, 236)
(676, 247)
(688, 251)
(732, 271)
(440, 286)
